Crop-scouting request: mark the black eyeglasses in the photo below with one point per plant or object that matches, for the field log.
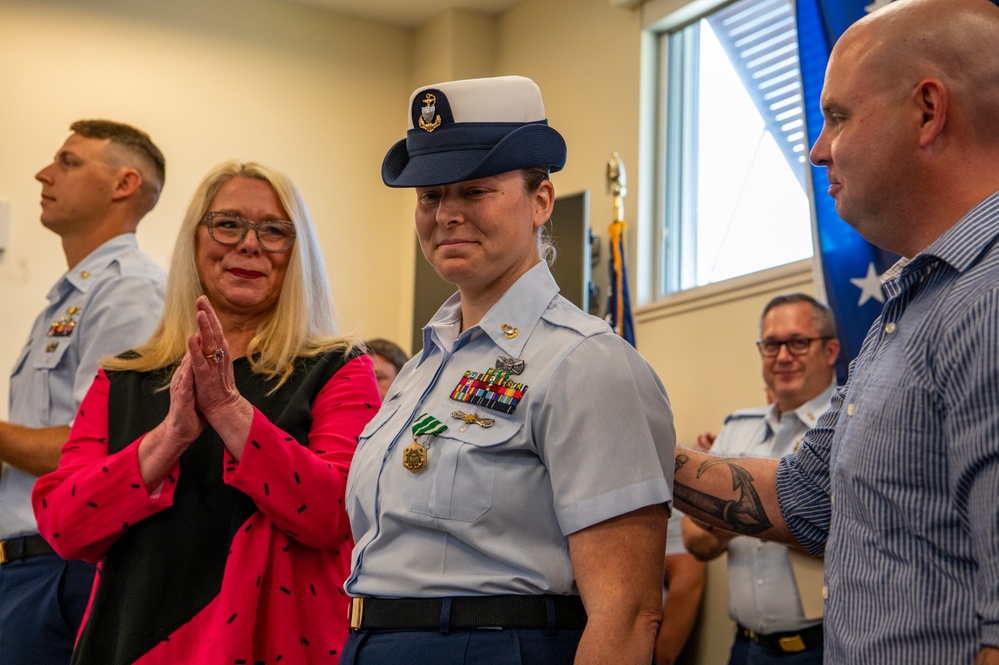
(226, 228)
(796, 346)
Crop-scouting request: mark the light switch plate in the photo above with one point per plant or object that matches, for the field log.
(4, 224)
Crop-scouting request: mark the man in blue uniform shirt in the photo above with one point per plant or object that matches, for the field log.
(896, 484)
(103, 180)
(683, 586)
(798, 350)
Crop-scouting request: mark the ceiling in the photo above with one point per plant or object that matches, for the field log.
(408, 13)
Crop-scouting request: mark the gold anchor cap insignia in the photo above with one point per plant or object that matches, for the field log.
(509, 330)
(429, 120)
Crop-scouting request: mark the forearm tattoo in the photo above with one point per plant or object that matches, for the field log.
(744, 514)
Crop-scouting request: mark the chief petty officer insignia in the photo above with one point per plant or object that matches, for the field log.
(65, 325)
(492, 389)
(429, 120)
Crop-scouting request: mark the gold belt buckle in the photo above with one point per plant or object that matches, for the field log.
(792, 644)
(3, 552)
(356, 612)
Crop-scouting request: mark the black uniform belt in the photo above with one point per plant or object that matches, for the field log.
(809, 638)
(23, 547)
(468, 612)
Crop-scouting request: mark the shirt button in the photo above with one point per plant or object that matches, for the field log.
(890, 328)
(851, 409)
(825, 592)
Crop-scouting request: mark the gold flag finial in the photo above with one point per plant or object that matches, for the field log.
(617, 184)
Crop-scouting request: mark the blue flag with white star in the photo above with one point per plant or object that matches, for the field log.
(851, 266)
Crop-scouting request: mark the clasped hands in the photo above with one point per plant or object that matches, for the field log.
(203, 391)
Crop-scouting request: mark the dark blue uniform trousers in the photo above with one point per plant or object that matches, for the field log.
(42, 601)
(461, 647)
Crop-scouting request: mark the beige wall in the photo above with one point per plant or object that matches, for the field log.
(323, 96)
(702, 346)
(301, 89)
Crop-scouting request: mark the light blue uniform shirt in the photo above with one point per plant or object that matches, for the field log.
(674, 541)
(899, 481)
(674, 534)
(116, 297)
(762, 594)
(591, 439)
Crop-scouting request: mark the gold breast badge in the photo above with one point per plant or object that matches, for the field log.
(471, 419)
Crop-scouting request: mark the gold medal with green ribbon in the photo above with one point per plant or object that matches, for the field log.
(414, 457)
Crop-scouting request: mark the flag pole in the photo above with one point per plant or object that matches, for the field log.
(618, 305)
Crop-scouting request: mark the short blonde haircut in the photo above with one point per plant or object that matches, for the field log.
(302, 322)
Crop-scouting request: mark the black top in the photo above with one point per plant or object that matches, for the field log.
(164, 570)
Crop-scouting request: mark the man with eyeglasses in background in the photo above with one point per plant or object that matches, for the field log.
(774, 594)
(102, 181)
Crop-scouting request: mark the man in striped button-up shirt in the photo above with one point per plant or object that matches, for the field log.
(898, 484)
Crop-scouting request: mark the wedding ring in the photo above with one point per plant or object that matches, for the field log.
(217, 355)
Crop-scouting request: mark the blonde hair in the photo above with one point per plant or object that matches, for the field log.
(302, 322)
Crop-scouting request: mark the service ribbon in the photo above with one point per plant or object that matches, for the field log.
(427, 424)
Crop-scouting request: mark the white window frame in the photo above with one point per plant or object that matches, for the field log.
(660, 17)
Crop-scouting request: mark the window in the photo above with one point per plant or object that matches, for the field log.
(732, 182)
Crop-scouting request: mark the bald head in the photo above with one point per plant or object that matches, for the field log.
(910, 141)
(954, 41)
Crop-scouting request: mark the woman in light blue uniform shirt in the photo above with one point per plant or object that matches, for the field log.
(509, 502)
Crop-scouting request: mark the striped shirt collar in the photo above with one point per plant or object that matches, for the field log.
(960, 246)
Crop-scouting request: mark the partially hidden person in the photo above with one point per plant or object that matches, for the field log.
(101, 183)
